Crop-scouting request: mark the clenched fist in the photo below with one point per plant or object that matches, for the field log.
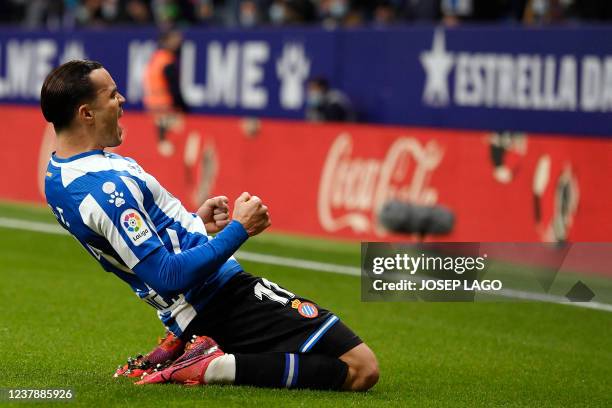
(251, 213)
(215, 213)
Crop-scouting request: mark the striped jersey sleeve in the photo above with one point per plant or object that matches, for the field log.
(113, 211)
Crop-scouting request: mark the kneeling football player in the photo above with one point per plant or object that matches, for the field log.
(264, 335)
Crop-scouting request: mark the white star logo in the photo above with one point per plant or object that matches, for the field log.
(437, 64)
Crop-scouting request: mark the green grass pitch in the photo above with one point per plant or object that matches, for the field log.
(67, 323)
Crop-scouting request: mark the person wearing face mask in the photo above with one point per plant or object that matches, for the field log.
(338, 9)
(324, 104)
(278, 12)
(290, 12)
(248, 14)
(336, 13)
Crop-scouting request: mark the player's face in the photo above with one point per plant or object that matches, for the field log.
(107, 108)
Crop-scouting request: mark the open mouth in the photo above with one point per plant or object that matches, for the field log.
(119, 124)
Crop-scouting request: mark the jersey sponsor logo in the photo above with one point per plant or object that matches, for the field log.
(308, 310)
(135, 227)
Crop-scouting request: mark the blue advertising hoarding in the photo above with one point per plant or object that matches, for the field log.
(552, 80)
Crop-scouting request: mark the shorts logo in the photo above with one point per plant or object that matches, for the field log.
(308, 310)
(135, 227)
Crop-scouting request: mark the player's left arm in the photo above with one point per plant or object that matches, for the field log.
(215, 214)
(170, 274)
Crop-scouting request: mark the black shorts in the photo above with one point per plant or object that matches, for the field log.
(252, 315)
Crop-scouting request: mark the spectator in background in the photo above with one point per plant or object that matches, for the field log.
(421, 10)
(65, 14)
(135, 12)
(290, 12)
(324, 104)
(384, 13)
(249, 14)
(543, 12)
(336, 13)
(49, 14)
(456, 11)
(162, 93)
(304, 10)
(95, 13)
(556, 11)
(173, 13)
(207, 12)
(279, 12)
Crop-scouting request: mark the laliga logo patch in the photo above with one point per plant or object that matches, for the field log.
(135, 227)
(305, 309)
(132, 222)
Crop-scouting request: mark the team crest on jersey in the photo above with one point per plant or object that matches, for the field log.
(135, 227)
(116, 197)
(308, 310)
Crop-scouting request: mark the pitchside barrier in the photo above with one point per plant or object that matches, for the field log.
(333, 179)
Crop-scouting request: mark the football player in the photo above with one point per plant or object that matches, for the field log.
(264, 335)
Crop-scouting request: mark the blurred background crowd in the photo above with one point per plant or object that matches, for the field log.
(67, 14)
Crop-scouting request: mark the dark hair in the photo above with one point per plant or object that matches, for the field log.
(321, 82)
(64, 89)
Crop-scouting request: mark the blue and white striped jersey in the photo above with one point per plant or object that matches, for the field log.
(121, 214)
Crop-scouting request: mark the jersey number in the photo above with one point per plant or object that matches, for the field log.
(272, 291)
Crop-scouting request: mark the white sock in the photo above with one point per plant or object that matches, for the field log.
(222, 370)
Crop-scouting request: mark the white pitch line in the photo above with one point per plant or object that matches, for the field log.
(316, 266)
(32, 226)
(543, 297)
(298, 263)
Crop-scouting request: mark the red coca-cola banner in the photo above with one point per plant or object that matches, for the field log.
(332, 180)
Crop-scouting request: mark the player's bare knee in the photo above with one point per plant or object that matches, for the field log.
(366, 377)
(364, 372)
(372, 376)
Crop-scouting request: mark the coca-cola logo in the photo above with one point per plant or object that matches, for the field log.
(353, 189)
